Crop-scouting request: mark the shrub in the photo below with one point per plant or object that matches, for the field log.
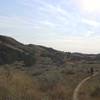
(96, 92)
(29, 59)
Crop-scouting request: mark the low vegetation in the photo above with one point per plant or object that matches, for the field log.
(32, 72)
(91, 89)
(17, 83)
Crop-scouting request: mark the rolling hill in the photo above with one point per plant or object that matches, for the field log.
(34, 72)
(12, 51)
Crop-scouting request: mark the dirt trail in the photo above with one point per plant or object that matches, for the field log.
(76, 91)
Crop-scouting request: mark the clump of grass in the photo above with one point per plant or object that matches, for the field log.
(95, 92)
(58, 92)
(68, 72)
(19, 86)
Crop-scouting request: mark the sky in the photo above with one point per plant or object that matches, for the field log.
(66, 25)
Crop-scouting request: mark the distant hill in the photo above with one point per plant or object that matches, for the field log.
(12, 51)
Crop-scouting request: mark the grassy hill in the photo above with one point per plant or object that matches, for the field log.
(33, 72)
(12, 51)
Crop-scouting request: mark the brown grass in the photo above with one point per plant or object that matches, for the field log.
(19, 86)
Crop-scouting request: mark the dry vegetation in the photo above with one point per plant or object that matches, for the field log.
(91, 89)
(49, 84)
(41, 73)
(17, 85)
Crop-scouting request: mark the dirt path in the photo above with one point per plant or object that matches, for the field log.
(76, 91)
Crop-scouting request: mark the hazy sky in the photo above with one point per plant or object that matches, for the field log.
(69, 25)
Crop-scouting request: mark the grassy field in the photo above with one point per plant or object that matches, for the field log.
(91, 89)
(53, 83)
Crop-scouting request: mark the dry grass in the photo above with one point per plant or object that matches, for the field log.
(18, 86)
(52, 84)
(91, 89)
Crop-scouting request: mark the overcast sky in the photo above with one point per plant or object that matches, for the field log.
(69, 25)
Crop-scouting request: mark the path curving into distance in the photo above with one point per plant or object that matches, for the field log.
(76, 91)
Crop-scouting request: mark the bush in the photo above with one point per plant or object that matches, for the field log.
(29, 59)
(96, 92)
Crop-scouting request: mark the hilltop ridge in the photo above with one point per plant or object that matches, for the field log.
(11, 51)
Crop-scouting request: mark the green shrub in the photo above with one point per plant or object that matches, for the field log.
(29, 59)
(96, 92)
